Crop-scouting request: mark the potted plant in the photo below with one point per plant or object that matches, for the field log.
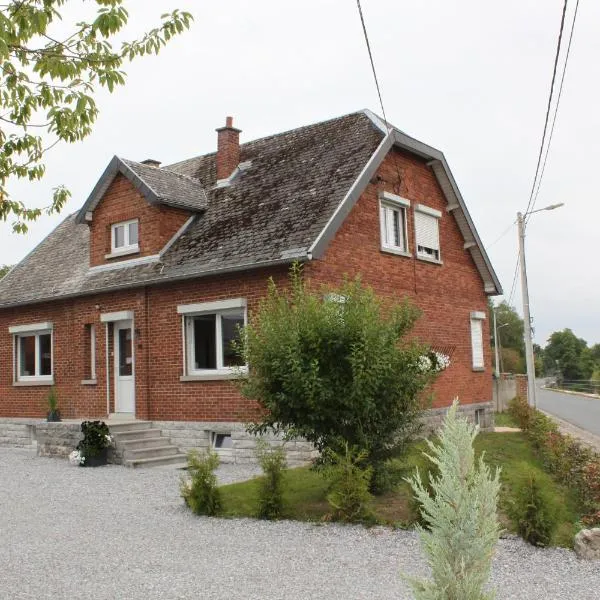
(93, 448)
(53, 412)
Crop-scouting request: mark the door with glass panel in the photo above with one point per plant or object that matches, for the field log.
(124, 367)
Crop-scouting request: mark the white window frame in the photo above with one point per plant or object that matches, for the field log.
(430, 212)
(217, 308)
(35, 330)
(127, 247)
(392, 202)
(477, 319)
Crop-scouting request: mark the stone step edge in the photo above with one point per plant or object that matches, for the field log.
(154, 449)
(160, 460)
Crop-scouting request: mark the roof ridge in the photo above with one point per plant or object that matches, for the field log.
(276, 135)
(167, 170)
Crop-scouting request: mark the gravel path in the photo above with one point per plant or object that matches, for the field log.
(112, 532)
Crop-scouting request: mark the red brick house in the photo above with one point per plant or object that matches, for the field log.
(128, 306)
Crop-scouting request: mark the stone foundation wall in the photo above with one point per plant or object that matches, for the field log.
(196, 436)
(57, 439)
(17, 433)
(479, 412)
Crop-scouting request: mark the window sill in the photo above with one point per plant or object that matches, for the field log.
(89, 382)
(33, 382)
(125, 252)
(434, 261)
(395, 251)
(217, 376)
(478, 369)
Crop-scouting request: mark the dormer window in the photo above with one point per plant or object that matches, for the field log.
(124, 238)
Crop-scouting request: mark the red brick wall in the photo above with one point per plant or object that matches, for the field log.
(122, 202)
(158, 347)
(445, 293)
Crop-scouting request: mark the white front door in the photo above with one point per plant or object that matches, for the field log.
(124, 367)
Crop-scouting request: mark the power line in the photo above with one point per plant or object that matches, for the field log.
(560, 89)
(539, 161)
(501, 235)
(514, 281)
(362, 20)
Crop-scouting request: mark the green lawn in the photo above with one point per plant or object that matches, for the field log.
(305, 495)
(504, 420)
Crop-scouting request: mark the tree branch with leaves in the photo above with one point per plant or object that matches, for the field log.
(48, 81)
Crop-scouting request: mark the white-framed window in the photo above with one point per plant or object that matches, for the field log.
(392, 219)
(210, 330)
(477, 319)
(427, 233)
(33, 353)
(221, 441)
(124, 237)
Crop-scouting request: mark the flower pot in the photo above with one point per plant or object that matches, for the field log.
(53, 416)
(97, 461)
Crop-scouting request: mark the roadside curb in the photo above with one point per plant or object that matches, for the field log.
(559, 391)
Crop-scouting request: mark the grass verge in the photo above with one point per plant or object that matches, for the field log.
(505, 419)
(305, 489)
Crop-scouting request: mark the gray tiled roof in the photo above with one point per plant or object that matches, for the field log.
(158, 186)
(272, 212)
(170, 187)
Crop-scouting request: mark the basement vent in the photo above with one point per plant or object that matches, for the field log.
(479, 416)
(221, 441)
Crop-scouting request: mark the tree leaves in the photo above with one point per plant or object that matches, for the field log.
(47, 84)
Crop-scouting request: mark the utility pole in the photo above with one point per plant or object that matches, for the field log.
(496, 356)
(526, 317)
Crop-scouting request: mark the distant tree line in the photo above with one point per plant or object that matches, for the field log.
(565, 355)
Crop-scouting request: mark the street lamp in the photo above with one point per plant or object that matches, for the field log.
(525, 293)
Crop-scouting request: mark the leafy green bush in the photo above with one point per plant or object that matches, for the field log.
(96, 437)
(520, 411)
(349, 478)
(273, 463)
(534, 510)
(567, 459)
(336, 366)
(200, 490)
(461, 515)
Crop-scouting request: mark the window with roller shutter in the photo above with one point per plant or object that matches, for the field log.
(427, 232)
(477, 339)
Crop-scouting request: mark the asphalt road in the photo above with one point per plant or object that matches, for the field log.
(578, 410)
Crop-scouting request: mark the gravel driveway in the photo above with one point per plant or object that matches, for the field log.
(112, 532)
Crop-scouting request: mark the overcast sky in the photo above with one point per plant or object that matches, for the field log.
(468, 77)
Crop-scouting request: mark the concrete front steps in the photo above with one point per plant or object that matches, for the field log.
(138, 444)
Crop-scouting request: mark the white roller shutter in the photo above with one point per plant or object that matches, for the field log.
(477, 343)
(427, 231)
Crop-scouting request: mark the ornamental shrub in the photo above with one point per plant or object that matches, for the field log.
(349, 479)
(270, 496)
(200, 490)
(336, 366)
(535, 510)
(460, 514)
(96, 437)
(566, 458)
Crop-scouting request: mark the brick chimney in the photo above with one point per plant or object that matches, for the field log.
(228, 149)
